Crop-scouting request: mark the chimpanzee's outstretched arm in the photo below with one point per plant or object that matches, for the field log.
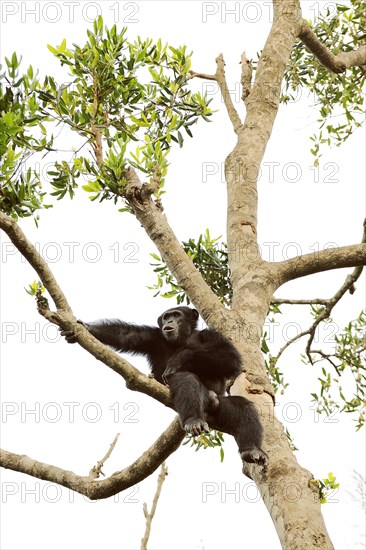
(121, 336)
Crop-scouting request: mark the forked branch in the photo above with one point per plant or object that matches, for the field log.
(220, 78)
(325, 312)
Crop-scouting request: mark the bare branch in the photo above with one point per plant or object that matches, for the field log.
(325, 260)
(289, 342)
(325, 313)
(150, 516)
(310, 301)
(193, 74)
(242, 165)
(336, 63)
(135, 380)
(97, 470)
(145, 465)
(221, 80)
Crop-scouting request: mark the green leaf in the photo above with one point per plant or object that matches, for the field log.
(52, 49)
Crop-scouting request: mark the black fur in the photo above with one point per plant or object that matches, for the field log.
(197, 366)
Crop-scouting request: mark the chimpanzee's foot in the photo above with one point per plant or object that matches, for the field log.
(256, 456)
(196, 426)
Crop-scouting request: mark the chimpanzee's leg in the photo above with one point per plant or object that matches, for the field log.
(238, 417)
(191, 401)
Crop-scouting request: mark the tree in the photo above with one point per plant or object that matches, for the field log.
(105, 84)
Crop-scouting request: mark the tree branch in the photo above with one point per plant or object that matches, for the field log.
(221, 80)
(204, 76)
(242, 165)
(145, 465)
(310, 301)
(336, 63)
(154, 221)
(325, 260)
(96, 471)
(167, 443)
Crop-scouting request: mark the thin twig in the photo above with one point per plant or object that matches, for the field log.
(97, 470)
(150, 516)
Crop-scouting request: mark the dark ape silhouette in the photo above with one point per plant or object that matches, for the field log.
(197, 366)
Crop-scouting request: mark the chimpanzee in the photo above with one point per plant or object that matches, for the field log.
(196, 365)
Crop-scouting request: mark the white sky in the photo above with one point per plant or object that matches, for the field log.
(41, 372)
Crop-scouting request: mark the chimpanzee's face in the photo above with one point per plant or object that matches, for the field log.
(177, 324)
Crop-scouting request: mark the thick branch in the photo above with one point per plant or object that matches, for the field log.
(243, 164)
(30, 253)
(336, 63)
(154, 221)
(145, 465)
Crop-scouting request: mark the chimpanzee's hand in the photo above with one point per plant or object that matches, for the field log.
(168, 372)
(70, 335)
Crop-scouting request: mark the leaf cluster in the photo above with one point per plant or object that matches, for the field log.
(206, 440)
(22, 134)
(210, 257)
(325, 486)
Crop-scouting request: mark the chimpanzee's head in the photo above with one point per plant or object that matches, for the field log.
(178, 323)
